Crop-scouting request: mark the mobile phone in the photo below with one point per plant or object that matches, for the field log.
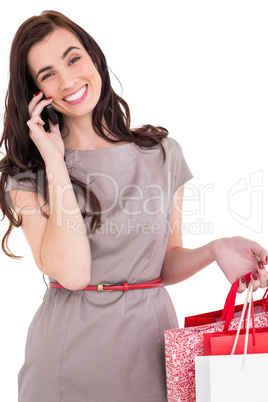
(49, 113)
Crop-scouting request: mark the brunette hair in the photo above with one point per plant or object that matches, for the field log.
(22, 155)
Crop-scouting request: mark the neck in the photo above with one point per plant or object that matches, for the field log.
(80, 134)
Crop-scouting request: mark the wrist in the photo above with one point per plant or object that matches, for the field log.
(214, 246)
(53, 166)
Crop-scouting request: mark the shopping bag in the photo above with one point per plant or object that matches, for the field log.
(256, 339)
(182, 345)
(232, 377)
(221, 343)
(222, 378)
(229, 311)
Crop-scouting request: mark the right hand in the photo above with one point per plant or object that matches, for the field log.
(50, 145)
(236, 256)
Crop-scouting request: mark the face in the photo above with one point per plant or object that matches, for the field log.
(62, 68)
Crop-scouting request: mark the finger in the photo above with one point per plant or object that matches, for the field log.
(260, 252)
(255, 280)
(34, 101)
(242, 285)
(36, 120)
(263, 277)
(40, 106)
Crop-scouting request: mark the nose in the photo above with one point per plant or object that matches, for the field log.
(67, 80)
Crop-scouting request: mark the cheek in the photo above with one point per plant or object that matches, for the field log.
(50, 89)
(97, 79)
(91, 72)
(95, 82)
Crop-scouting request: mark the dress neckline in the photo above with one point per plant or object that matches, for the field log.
(101, 159)
(100, 149)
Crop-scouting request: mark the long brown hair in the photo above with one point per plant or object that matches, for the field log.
(22, 155)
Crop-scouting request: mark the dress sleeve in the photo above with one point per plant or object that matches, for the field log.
(182, 170)
(20, 182)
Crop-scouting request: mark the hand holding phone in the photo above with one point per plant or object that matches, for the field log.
(49, 113)
(48, 140)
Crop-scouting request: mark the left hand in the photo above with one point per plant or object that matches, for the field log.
(236, 256)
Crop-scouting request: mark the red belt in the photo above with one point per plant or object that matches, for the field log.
(109, 287)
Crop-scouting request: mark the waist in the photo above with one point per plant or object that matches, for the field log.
(110, 287)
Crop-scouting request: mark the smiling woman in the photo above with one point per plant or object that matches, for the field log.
(64, 351)
(99, 333)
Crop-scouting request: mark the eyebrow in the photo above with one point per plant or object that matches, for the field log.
(62, 57)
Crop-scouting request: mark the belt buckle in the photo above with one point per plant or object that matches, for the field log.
(100, 287)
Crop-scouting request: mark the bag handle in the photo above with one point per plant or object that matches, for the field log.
(228, 310)
(248, 303)
(265, 300)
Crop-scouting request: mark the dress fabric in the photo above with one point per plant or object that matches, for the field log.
(85, 346)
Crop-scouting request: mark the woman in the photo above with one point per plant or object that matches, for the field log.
(102, 214)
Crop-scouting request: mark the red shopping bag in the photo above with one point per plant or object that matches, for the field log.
(230, 310)
(222, 343)
(183, 345)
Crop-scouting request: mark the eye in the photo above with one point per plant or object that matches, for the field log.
(74, 60)
(46, 76)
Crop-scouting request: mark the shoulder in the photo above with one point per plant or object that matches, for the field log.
(20, 181)
(172, 148)
(170, 145)
(154, 155)
(28, 181)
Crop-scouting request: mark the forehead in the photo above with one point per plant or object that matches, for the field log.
(51, 48)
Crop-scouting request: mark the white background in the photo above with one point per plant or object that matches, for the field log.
(198, 68)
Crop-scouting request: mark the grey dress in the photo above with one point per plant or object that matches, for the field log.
(88, 346)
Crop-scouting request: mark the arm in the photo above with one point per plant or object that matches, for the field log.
(59, 244)
(181, 263)
(236, 256)
(58, 252)
(65, 252)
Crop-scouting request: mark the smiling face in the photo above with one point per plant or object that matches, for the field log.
(62, 68)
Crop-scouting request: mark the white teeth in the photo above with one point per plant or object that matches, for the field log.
(77, 95)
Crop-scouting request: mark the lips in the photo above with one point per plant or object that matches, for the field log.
(76, 96)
